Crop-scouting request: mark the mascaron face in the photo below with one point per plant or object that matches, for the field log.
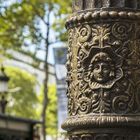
(101, 72)
(103, 68)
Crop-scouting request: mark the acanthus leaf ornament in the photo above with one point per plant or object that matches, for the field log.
(101, 35)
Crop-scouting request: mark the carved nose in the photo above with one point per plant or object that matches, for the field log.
(100, 70)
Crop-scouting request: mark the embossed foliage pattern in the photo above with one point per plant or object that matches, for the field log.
(103, 68)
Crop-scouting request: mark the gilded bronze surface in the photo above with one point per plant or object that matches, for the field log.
(103, 70)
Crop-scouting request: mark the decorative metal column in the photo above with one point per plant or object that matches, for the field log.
(104, 70)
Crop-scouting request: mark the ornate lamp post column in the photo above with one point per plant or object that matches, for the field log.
(104, 70)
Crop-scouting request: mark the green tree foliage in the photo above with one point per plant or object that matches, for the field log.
(51, 117)
(29, 23)
(52, 111)
(27, 103)
(24, 102)
(21, 22)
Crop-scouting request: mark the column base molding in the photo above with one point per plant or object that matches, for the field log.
(95, 121)
(106, 134)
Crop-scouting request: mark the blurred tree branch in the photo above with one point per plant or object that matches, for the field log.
(21, 22)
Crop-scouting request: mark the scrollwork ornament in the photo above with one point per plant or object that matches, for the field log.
(84, 105)
(122, 30)
(84, 33)
(120, 104)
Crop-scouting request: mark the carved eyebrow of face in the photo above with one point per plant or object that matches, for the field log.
(101, 66)
(103, 57)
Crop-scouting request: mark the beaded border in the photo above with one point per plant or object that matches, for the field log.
(75, 20)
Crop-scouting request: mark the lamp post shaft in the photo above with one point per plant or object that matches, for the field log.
(3, 104)
(103, 70)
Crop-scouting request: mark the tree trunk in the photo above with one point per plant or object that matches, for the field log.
(45, 99)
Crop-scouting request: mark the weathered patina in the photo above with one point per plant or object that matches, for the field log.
(104, 70)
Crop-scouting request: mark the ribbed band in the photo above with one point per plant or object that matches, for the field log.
(79, 5)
